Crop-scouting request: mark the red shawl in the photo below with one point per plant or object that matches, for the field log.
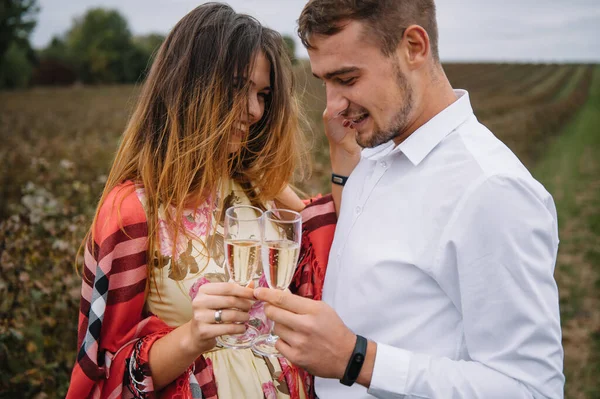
(115, 334)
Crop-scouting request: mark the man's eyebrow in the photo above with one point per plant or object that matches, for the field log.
(340, 71)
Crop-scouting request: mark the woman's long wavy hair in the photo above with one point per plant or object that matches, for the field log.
(176, 142)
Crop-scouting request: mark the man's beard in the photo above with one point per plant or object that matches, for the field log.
(400, 121)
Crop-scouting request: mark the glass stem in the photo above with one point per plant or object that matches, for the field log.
(272, 337)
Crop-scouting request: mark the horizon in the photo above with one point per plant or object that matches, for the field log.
(469, 31)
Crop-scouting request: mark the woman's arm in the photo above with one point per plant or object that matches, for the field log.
(344, 152)
(121, 235)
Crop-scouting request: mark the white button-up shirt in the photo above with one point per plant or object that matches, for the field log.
(444, 254)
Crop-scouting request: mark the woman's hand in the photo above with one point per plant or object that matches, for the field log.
(172, 354)
(288, 199)
(234, 302)
(342, 139)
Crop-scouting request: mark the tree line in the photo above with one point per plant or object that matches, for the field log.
(98, 48)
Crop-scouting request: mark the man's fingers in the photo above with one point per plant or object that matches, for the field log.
(287, 334)
(285, 349)
(285, 300)
(285, 317)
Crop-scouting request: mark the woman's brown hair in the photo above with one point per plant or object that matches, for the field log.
(176, 142)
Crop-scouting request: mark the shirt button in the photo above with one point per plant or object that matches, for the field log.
(384, 164)
(358, 209)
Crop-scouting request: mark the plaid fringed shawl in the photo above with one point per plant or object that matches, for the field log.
(318, 226)
(114, 332)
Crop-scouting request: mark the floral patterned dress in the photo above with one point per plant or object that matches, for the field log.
(198, 257)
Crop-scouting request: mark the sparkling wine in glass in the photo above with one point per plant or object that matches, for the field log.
(282, 232)
(242, 236)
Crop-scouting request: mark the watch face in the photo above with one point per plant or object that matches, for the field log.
(357, 362)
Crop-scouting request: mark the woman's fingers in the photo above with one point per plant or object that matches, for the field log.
(205, 327)
(216, 302)
(211, 331)
(227, 289)
(227, 316)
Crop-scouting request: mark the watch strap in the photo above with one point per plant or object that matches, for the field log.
(356, 361)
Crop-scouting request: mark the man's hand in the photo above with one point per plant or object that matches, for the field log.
(311, 334)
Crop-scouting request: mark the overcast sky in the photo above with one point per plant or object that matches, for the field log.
(500, 30)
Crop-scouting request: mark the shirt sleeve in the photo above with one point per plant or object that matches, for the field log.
(498, 252)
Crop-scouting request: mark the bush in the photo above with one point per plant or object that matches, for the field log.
(39, 288)
(51, 72)
(16, 68)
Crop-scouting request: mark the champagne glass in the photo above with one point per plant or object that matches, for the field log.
(242, 236)
(282, 232)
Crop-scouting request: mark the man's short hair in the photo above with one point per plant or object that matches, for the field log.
(386, 20)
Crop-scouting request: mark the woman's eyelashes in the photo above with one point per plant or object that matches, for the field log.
(264, 94)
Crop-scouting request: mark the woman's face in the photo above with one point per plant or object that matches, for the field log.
(260, 88)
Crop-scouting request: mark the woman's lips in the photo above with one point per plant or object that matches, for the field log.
(239, 132)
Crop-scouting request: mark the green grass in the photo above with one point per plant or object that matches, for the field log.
(575, 75)
(570, 170)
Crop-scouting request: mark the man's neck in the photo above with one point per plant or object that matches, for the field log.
(436, 97)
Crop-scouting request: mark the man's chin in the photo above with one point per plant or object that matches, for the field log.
(373, 139)
(363, 138)
(366, 139)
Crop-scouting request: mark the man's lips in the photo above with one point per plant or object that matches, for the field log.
(355, 120)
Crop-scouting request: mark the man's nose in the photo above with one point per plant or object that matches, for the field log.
(336, 103)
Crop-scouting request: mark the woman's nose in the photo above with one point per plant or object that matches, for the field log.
(254, 108)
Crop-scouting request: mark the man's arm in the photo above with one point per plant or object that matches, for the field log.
(496, 262)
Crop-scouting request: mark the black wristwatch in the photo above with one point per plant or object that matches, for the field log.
(356, 361)
(339, 179)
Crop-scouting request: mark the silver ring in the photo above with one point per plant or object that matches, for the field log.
(218, 319)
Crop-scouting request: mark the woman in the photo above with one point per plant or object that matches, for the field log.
(216, 125)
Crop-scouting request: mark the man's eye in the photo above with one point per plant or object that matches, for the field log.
(347, 82)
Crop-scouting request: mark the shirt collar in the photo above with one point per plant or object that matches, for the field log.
(423, 140)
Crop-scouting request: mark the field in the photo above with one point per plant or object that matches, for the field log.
(57, 144)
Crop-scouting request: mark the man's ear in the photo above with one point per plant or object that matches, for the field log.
(415, 47)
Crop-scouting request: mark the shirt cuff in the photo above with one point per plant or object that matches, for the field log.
(390, 372)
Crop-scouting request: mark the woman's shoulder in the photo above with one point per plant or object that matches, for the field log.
(121, 209)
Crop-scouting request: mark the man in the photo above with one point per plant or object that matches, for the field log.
(445, 245)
